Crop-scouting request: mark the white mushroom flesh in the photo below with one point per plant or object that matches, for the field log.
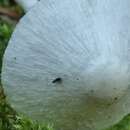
(67, 63)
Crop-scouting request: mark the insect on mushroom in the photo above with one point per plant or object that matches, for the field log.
(57, 80)
(85, 43)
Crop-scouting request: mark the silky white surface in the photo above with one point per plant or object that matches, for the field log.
(27, 4)
(86, 44)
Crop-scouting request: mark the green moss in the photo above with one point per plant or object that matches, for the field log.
(5, 33)
(124, 124)
(5, 2)
(11, 120)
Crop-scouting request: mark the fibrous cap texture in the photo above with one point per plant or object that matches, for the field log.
(67, 63)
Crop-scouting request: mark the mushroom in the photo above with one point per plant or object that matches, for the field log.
(68, 64)
(27, 4)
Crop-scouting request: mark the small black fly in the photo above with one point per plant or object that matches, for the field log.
(57, 80)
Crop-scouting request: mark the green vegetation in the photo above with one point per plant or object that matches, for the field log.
(5, 32)
(10, 120)
(11, 4)
(124, 124)
(5, 2)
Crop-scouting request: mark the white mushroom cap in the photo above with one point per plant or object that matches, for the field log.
(68, 63)
(27, 4)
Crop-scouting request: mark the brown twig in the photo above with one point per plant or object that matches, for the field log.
(9, 13)
(2, 95)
